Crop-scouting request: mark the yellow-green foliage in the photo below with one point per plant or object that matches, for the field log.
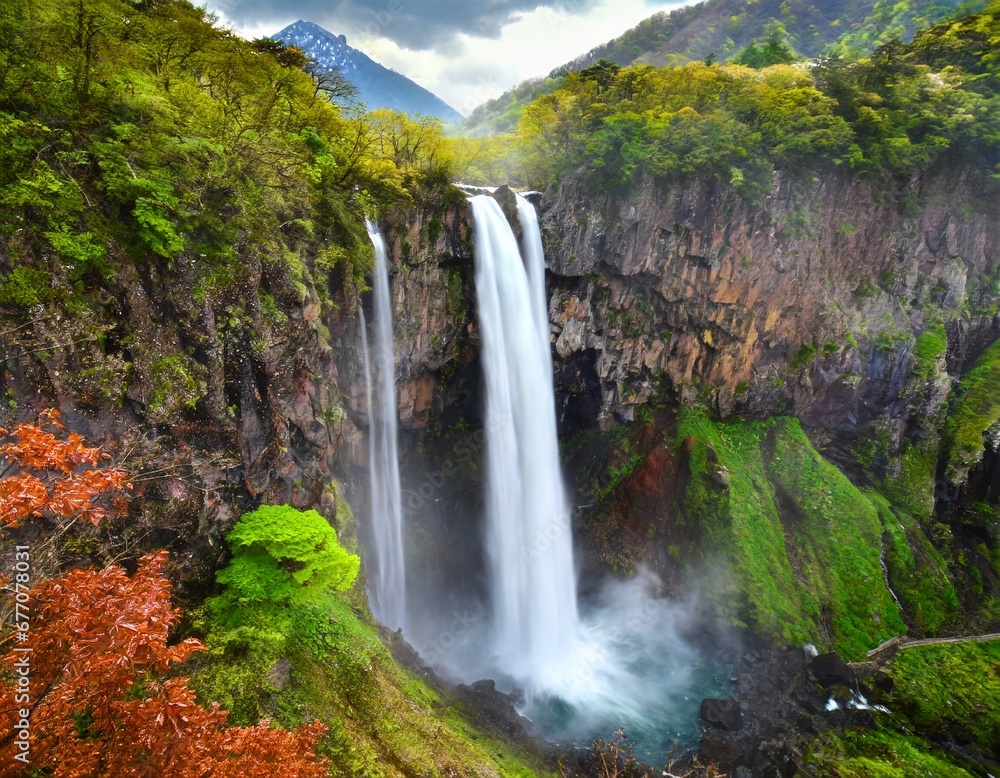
(283, 556)
(140, 133)
(802, 541)
(484, 161)
(976, 410)
(895, 111)
(382, 720)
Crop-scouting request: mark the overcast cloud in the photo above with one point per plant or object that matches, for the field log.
(465, 51)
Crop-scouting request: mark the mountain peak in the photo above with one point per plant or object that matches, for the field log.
(378, 86)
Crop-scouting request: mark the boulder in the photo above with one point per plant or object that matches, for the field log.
(830, 670)
(494, 709)
(720, 750)
(722, 713)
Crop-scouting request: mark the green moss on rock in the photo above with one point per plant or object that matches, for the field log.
(952, 691)
(913, 487)
(802, 542)
(174, 389)
(929, 348)
(740, 521)
(976, 411)
(917, 571)
(880, 753)
(943, 694)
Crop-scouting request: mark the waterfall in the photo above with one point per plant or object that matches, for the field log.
(529, 539)
(614, 660)
(387, 582)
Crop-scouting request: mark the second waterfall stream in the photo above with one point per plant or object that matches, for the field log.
(387, 582)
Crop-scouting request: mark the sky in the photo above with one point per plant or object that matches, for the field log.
(465, 51)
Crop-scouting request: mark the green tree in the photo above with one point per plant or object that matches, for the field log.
(773, 48)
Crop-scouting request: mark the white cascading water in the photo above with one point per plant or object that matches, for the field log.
(621, 663)
(529, 540)
(387, 582)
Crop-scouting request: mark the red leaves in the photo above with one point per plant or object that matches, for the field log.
(20, 496)
(98, 704)
(38, 449)
(48, 480)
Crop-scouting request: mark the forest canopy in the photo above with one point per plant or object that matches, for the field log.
(141, 131)
(897, 111)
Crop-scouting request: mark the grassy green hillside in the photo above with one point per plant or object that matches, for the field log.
(302, 646)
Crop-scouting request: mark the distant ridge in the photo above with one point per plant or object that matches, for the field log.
(721, 28)
(378, 86)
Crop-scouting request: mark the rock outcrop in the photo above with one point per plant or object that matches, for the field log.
(807, 303)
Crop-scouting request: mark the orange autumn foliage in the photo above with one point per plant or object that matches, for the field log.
(96, 700)
(99, 707)
(49, 475)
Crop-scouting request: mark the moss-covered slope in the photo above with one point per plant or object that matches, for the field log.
(288, 641)
(802, 541)
(944, 720)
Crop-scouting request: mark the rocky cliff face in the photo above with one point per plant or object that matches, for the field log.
(853, 306)
(213, 399)
(808, 303)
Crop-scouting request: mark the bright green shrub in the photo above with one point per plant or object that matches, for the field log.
(284, 556)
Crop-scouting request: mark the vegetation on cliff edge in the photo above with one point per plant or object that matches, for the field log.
(896, 112)
(801, 540)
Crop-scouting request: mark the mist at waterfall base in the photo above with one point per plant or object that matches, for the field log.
(581, 670)
(630, 665)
